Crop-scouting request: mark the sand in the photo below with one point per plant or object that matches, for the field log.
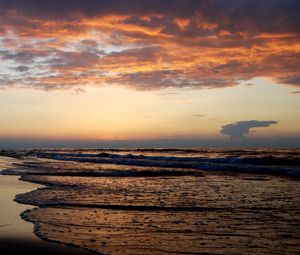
(16, 235)
(192, 213)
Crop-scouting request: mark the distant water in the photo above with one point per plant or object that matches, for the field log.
(165, 201)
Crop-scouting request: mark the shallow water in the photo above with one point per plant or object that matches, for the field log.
(169, 232)
(11, 225)
(16, 235)
(116, 202)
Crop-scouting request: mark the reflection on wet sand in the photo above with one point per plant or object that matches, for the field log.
(169, 232)
(11, 225)
(215, 214)
(121, 209)
(16, 235)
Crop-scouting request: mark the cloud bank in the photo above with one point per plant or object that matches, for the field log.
(281, 142)
(239, 129)
(148, 45)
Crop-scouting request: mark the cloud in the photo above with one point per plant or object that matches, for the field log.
(292, 80)
(198, 115)
(173, 142)
(21, 68)
(295, 92)
(241, 128)
(147, 45)
(244, 15)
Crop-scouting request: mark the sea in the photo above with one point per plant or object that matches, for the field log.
(163, 201)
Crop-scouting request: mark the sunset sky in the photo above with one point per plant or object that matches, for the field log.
(160, 72)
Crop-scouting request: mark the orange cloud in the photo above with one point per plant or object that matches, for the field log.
(151, 47)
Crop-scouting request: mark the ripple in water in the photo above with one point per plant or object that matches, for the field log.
(127, 206)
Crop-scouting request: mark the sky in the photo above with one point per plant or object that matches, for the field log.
(178, 73)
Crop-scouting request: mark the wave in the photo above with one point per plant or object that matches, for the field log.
(203, 212)
(266, 165)
(277, 162)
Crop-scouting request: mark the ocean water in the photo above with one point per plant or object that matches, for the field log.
(164, 201)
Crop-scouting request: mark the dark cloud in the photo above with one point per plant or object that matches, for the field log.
(19, 57)
(295, 92)
(72, 59)
(153, 80)
(149, 45)
(132, 58)
(23, 56)
(89, 43)
(234, 15)
(21, 68)
(292, 80)
(279, 142)
(241, 128)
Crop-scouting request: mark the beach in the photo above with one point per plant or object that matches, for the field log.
(16, 235)
(163, 127)
(162, 201)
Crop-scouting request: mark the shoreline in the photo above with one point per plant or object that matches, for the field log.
(17, 235)
(260, 210)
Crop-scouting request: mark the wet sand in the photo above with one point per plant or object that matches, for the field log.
(117, 209)
(16, 235)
